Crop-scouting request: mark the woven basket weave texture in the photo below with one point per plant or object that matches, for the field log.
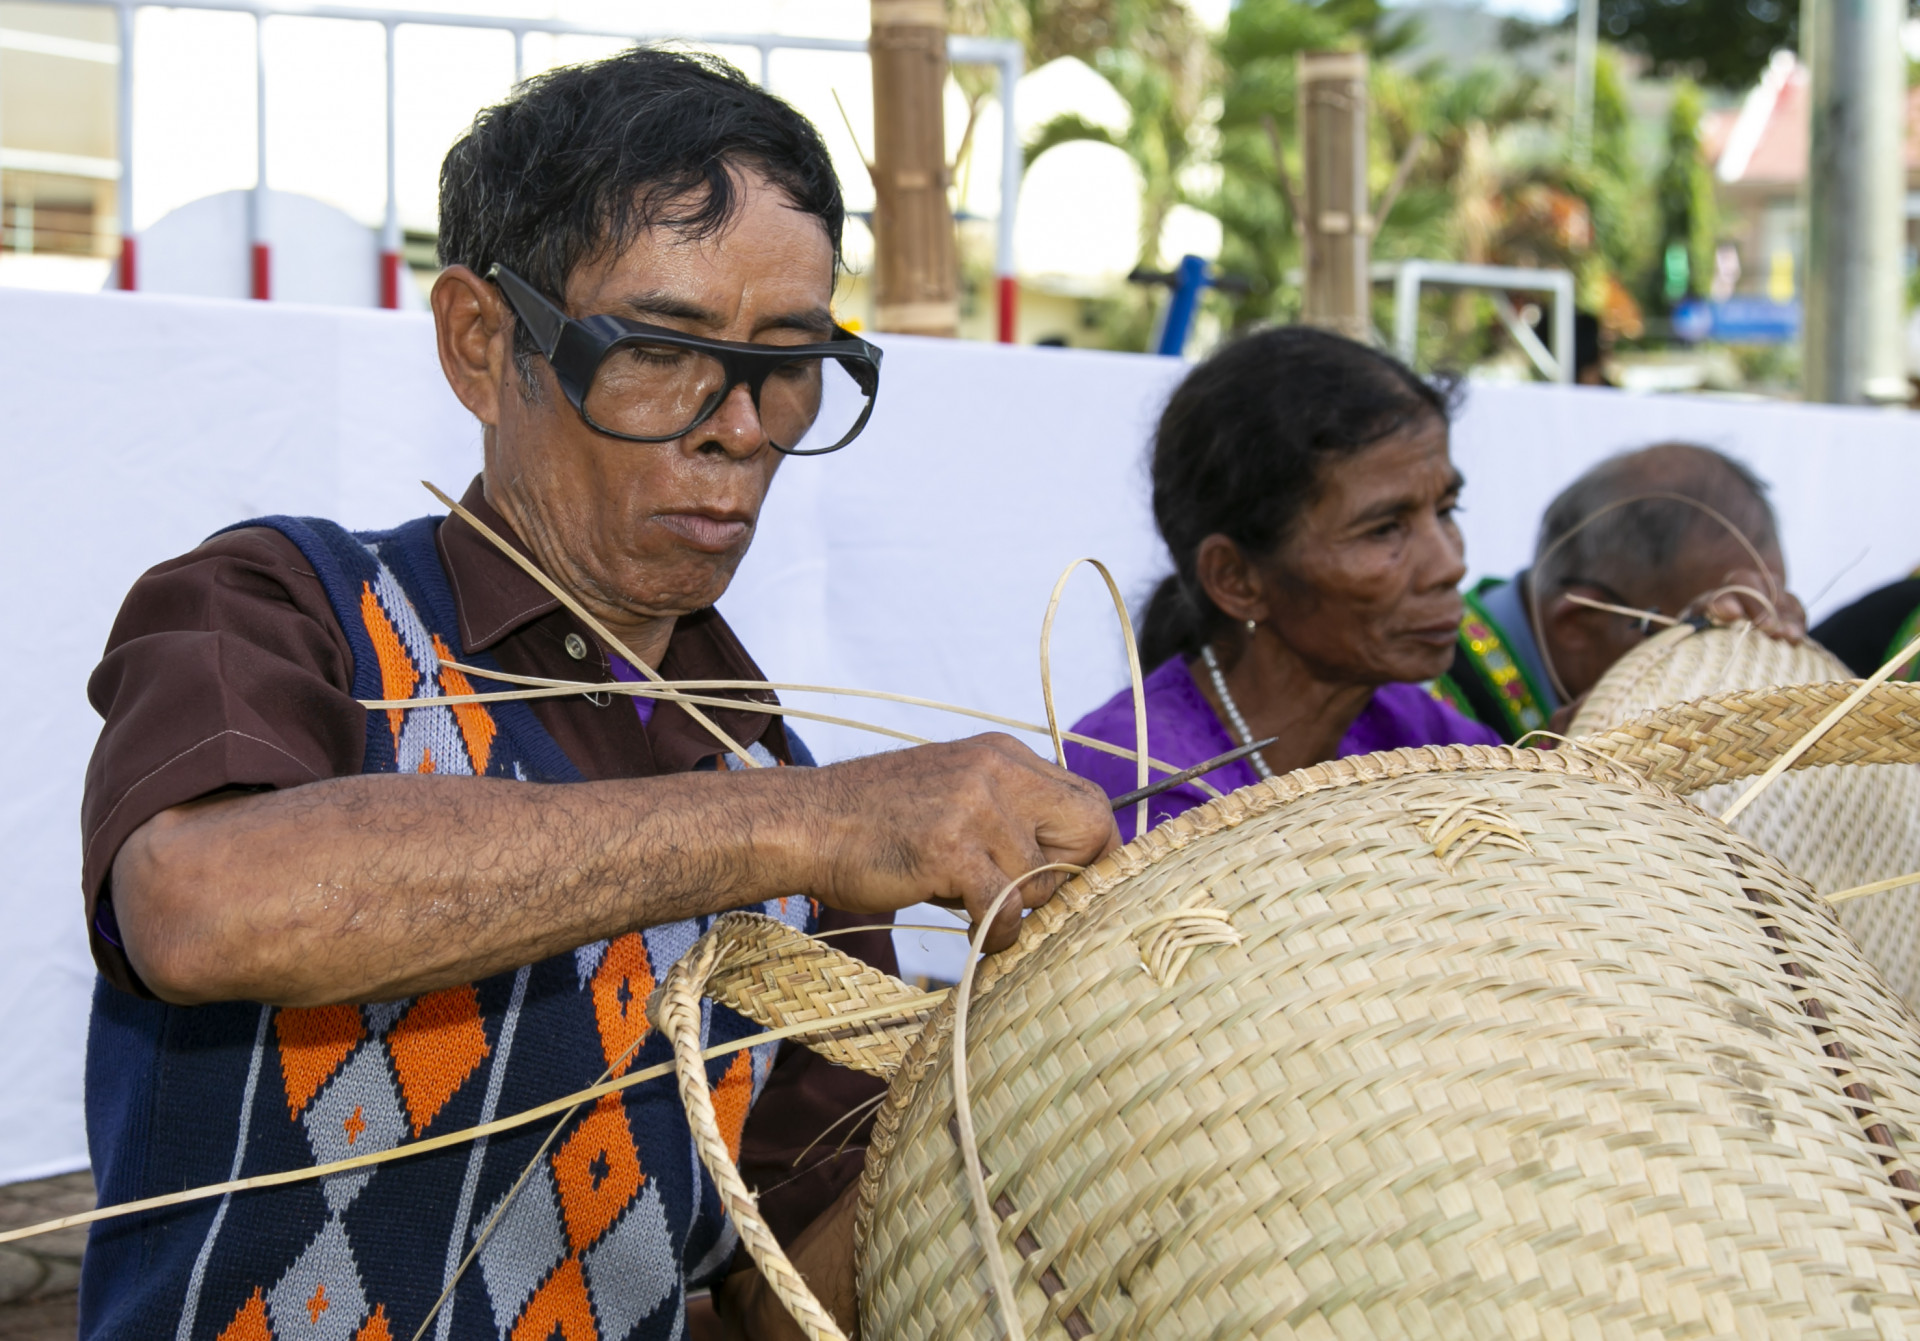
(1838, 827)
(1503, 1051)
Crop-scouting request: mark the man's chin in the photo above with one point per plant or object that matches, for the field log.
(694, 583)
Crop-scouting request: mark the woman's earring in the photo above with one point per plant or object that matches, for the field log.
(1251, 626)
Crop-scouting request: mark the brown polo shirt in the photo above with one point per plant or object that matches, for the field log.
(227, 669)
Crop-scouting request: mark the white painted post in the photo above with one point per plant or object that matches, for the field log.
(1011, 171)
(257, 213)
(390, 225)
(123, 194)
(1563, 338)
(1406, 310)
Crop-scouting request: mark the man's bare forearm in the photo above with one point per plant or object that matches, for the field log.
(375, 887)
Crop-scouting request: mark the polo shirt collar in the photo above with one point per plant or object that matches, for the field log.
(493, 595)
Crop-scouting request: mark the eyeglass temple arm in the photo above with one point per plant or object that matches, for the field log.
(545, 322)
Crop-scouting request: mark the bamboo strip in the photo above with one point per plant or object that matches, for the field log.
(1133, 675)
(670, 689)
(1877, 887)
(892, 1010)
(886, 696)
(986, 1224)
(642, 691)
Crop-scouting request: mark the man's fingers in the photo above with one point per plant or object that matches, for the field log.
(1031, 887)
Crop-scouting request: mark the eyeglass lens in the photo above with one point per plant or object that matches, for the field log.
(659, 391)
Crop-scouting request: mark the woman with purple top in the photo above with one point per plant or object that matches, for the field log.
(1303, 486)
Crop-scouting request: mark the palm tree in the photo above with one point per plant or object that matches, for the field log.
(1156, 56)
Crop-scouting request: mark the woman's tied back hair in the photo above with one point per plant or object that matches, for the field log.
(580, 160)
(1240, 450)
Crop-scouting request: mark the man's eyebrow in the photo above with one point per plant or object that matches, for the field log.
(812, 320)
(659, 304)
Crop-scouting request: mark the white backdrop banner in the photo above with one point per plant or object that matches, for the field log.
(919, 560)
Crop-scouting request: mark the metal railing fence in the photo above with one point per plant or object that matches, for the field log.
(1005, 54)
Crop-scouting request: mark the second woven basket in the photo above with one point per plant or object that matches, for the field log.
(1839, 827)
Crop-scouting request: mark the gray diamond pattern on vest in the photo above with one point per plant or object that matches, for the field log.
(383, 1015)
(586, 961)
(633, 1269)
(358, 1113)
(320, 1298)
(526, 1246)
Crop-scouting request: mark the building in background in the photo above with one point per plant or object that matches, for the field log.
(58, 160)
(1759, 155)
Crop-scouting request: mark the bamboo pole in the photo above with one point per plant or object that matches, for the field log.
(915, 270)
(1336, 221)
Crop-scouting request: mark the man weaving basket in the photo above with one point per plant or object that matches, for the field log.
(305, 959)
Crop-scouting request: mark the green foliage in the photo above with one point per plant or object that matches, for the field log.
(1156, 57)
(1725, 43)
(1683, 195)
(1491, 176)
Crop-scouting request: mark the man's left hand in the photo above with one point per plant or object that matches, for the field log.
(1744, 596)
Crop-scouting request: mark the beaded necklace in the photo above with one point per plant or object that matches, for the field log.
(1233, 710)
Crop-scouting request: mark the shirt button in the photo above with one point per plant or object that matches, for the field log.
(576, 647)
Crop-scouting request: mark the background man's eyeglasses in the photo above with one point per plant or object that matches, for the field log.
(645, 383)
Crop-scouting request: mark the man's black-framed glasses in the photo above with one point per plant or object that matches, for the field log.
(645, 383)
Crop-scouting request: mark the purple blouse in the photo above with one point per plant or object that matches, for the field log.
(1182, 729)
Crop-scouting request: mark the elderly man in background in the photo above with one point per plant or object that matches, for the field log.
(325, 931)
(1673, 529)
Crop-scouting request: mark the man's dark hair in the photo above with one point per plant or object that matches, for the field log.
(1642, 536)
(581, 160)
(1241, 447)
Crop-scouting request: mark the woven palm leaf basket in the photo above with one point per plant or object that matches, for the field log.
(1457, 1042)
(1840, 828)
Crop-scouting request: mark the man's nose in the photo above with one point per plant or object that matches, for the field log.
(734, 428)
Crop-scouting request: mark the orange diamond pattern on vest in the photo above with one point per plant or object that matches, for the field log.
(476, 723)
(314, 1040)
(435, 1047)
(250, 1323)
(560, 1306)
(731, 1099)
(598, 1171)
(621, 986)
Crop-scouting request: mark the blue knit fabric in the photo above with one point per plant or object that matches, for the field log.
(616, 1220)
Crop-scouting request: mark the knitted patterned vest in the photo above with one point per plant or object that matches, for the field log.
(615, 1220)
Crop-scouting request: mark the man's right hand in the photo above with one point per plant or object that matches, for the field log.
(951, 824)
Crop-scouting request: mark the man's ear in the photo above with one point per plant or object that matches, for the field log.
(1234, 585)
(1579, 642)
(473, 328)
